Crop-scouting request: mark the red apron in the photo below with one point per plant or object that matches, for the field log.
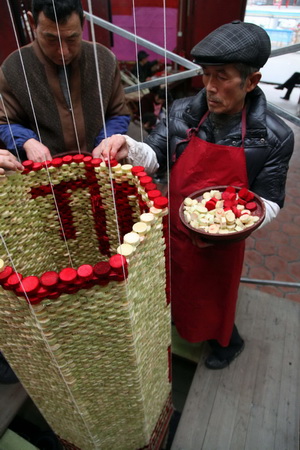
(204, 281)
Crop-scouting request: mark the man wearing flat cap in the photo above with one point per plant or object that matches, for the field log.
(222, 136)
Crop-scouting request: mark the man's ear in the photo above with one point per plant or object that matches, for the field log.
(31, 20)
(252, 81)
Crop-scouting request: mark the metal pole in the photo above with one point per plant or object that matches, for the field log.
(132, 37)
(284, 50)
(163, 80)
(285, 114)
(271, 282)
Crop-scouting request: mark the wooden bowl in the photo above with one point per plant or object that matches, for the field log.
(231, 236)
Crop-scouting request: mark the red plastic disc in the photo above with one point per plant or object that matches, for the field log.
(118, 263)
(85, 271)
(154, 194)
(57, 162)
(145, 180)
(30, 284)
(102, 269)
(5, 274)
(49, 279)
(160, 202)
(67, 159)
(78, 158)
(68, 275)
(136, 169)
(14, 280)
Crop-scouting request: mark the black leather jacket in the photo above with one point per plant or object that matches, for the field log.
(269, 142)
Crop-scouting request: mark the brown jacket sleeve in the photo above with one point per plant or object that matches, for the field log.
(9, 106)
(117, 105)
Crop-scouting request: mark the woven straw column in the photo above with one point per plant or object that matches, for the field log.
(90, 340)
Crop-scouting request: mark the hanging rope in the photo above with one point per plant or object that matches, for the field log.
(137, 69)
(167, 143)
(38, 132)
(45, 340)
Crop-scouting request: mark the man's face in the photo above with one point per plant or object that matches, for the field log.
(225, 90)
(70, 34)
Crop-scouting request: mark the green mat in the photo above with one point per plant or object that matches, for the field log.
(12, 441)
(184, 349)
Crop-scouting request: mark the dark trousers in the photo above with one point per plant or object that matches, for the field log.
(290, 84)
(235, 344)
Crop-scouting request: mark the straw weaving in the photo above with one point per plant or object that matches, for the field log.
(84, 314)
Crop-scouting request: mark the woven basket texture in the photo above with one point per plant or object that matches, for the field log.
(95, 362)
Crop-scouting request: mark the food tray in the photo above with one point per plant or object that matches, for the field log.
(230, 236)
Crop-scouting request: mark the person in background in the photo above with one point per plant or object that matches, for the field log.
(144, 69)
(155, 102)
(149, 121)
(61, 111)
(225, 135)
(289, 85)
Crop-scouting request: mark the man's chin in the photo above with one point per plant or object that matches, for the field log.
(217, 109)
(214, 106)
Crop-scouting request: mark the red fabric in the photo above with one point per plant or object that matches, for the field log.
(204, 282)
(125, 7)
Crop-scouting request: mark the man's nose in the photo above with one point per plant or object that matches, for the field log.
(64, 49)
(211, 85)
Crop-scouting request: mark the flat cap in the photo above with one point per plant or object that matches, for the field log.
(235, 42)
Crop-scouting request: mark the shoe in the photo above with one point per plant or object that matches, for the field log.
(279, 87)
(213, 362)
(285, 98)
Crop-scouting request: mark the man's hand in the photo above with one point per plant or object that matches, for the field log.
(36, 151)
(8, 162)
(114, 147)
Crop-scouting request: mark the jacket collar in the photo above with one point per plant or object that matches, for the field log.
(256, 111)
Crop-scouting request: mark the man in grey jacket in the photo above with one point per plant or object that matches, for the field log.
(223, 136)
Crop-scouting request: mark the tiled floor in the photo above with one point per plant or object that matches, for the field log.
(273, 253)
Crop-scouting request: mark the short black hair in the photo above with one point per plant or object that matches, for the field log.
(245, 70)
(63, 9)
(162, 93)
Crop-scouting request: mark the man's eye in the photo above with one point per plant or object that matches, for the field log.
(52, 40)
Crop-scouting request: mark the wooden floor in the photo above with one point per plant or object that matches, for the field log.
(254, 403)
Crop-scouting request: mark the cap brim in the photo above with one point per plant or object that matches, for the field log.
(209, 63)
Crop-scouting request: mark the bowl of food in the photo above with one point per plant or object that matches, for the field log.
(222, 213)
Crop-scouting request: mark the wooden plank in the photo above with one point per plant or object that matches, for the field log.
(203, 393)
(232, 393)
(201, 401)
(12, 397)
(262, 421)
(288, 421)
(254, 402)
(252, 321)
